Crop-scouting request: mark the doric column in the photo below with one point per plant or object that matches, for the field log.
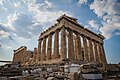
(49, 47)
(75, 48)
(34, 55)
(86, 58)
(63, 43)
(79, 48)
(43, 49)
(56, 44)
(24, 55)
(71, 54)
(96, 52)
(39, 50)
(100, 52)
(103, 53)
(91, 50)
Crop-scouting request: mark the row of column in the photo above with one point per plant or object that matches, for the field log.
(75, 50)
(93, 50)
(42, 47)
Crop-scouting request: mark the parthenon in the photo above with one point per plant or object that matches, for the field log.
(66, 51)
(67, 39)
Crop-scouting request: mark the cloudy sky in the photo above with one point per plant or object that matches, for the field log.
(21, 22)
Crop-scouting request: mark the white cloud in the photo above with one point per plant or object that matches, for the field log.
(20, 25)
(8, 47)
(44, 13)
(109, 7)
(93, 24)
(99, 7)
(2, 1)
(112, 23)
(80, 2)
(108, 11)
(30, 29)
(3, 34)
(2, 9)
(17, 4)
(10, 19)
(48, 5)
(48, 16)
(23, 23)
(39, 17)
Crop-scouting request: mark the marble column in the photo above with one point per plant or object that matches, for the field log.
(34, 56)
(71, 54)
(56, 44)
(63, 43)
(100, 52)
(103, 53)
(43, 56)
(39, 50)
(86, 58)
(91, 50)
(96, 52)
(79, 48)
(49, 47)
(75, 48)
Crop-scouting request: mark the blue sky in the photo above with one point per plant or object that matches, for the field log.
(21, 22)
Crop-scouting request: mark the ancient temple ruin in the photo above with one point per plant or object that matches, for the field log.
(67, 39)
(22, 55)
(66, 50)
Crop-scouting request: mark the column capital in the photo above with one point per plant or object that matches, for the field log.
(57, 30)
(82, 35)
(40, 39)
(88, 38)
(96, 42)
(77, 33)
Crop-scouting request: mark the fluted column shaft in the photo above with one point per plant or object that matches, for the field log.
(56, 44)
(34, 55)
(44, 49)
(100, 52)
(96, 52)
(103, 53)
(71, 55)
(79, 48)
(91, 50)
(49, 47)
(86, 58)
(75, 48)
(39, 50)
(63, 43)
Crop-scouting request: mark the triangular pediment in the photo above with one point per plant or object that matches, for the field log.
(66, 17)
